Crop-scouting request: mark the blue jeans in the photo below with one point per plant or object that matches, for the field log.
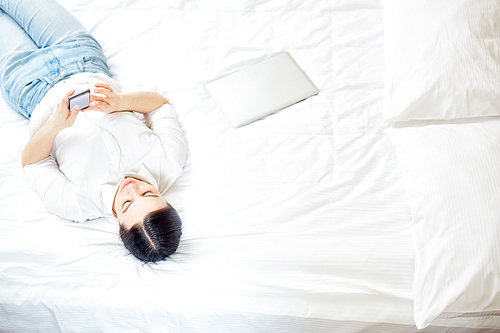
(41, 43)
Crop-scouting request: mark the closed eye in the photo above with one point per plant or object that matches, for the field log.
(128, 203)
(124, 209)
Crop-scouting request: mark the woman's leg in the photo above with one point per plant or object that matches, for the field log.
(14, 38)
(15, 45)
(46, 22)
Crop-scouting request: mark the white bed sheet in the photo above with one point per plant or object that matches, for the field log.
(296, 222)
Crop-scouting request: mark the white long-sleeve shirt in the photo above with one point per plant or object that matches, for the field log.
(79, 179)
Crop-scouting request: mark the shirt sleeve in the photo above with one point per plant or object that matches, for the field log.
(163, 122)
(61, 196)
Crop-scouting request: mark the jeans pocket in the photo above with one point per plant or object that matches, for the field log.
(94, 63)
(26, 96)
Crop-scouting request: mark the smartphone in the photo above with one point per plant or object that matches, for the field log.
(82, 99)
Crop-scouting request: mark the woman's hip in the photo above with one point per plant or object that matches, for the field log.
(25, 78)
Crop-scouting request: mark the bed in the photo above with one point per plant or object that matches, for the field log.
(371, 207)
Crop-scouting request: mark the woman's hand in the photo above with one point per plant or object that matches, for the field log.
(62, 118)
(40, 144)
(107, 101)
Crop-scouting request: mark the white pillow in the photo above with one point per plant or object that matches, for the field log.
(442, 59)
(452, 179)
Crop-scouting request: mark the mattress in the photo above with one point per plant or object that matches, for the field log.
(297, 222)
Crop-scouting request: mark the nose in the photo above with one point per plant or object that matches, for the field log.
(132, 188)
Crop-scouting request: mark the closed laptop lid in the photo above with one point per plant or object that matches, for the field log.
(261, 89)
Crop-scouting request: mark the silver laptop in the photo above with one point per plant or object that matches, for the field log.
(261, 89)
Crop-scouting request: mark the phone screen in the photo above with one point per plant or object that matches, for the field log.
(82, 99)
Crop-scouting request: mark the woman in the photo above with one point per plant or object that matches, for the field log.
(103, 160)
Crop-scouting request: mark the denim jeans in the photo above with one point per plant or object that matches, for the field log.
(41, 43)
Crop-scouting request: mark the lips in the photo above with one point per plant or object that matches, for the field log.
(128, 182)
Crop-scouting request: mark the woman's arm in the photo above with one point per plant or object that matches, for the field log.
(40, 144)
(110, 101)
(163, 122)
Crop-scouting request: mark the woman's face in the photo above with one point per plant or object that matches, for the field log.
(134, 200)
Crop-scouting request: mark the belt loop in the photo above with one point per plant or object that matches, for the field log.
(49, 81)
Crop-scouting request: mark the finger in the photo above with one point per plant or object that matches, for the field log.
(62, 108)
(101, 106)
(104, 100)
(94, 106)
(104, 92)
(104, 85)
(69, 93)
(72, 116)
(91, 107)
(64, 100)
(75, 108)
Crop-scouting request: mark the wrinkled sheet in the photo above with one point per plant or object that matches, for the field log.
(296, 222)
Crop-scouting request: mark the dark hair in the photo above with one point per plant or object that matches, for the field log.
(156, 237)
